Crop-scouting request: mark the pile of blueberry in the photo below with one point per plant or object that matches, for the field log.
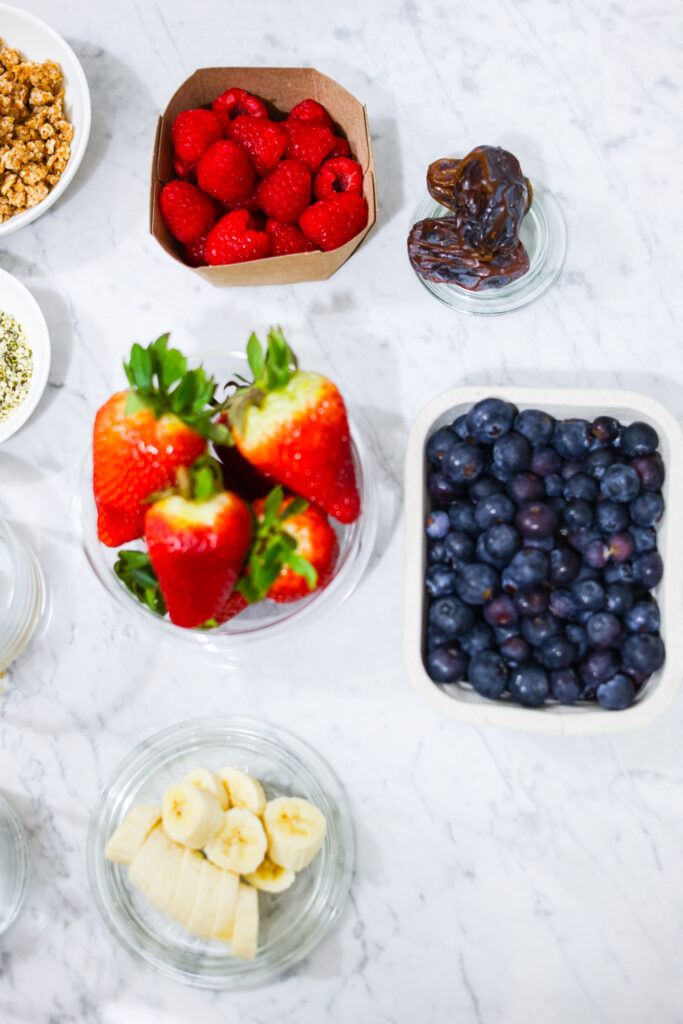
(542, 554)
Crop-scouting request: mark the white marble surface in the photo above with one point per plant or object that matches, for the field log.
(502, 876)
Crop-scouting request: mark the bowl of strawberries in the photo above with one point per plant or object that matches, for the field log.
(225, 500)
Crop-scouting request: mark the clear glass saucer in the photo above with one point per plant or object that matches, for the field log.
(13, 864)
(292, 922)
(544, 235)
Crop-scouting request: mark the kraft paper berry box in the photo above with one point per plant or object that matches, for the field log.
(280, 89)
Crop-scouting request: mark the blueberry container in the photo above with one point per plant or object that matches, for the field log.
(459, 700)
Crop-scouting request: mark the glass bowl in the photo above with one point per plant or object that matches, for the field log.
(22, 595)
(292, 922)
(266, 618)
(13, 864)
(544, 236)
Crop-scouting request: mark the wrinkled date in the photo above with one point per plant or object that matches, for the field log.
(437, 252)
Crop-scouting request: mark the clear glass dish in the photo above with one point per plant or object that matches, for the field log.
(292, 922)
(22, 595)
(544, 235)
(267, 618)
(13, 864)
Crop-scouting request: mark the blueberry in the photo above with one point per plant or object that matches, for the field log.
(436, 552)
(648, 569)
(450, 618)
(603, 630)
(531, 602)
(539, 629)
(564, 567)
(498, 544)
(589, 595)
(558, 652)
(586, 573)
(504, 475)
(529, 685)
(478, 638)
(605, 429)
(644, 538)
(459, 548)
(618, 598)
(620, 547)
(529, 567)
(497, 508)
(477, 583)
(536, 426)
(554, 485)
(577, 514)
(577, 634)
(524, 487)
(570, 469)
(437, 525)
(508, 581)
(596, 554)
(642, 652)
(462, 462)
(512, 453)
(488, 674)
(536, 519)
(563, 604)
(482, 487)
(490, 419)
(540, 543)
(620, 483)
(503, 633)
(501, 611)
(461, 515)
(617, 693)
(572, 438)
(647, 509)
(619, 572)
(581, 538)
(459, 427)
(610, 517)
(515, 650)
(545, 462)
(565, 685)
(597, 667)
(581, 486)
(438, 444)
(598, 461)
(650, 469)
(643, 618)
(440, 581)
(446, 664)
(441, 490)
(639, 439)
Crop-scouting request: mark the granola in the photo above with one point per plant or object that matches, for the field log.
(35, 137)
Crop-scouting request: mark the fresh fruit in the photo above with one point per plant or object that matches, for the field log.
(312, 112)
(340, 148)
(242, 790)
(203, 913)
(126, 842)
(184, 169)
(308, 143)
(236, 239)
(161, 891)
(190, 815)
(240, 843)
(193, 132)
(236, 103)
(238, 474)
(296, 831)
(188, 213)
(285, 192)
(338, 174)
(244, 938)
(292, 425)
(195, 252)
(226, 906)
(330, 223)
(148, 860)
(287, 239)
(226, 173)
(270, 877)
(211, 783)
(262, 140)
(187, 886)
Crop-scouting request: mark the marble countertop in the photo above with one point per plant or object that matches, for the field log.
(501, 876)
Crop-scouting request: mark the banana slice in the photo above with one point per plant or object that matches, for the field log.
(270, 877)
(187, 887)
(162, 890)
(240, 846)
(209, 781)
(295, 830)
(126, 841)
(244, 942)
(243, 790)
(150, 858)
(191, 816)
(226, 904)
(200, 921)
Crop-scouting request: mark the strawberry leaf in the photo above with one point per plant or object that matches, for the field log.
(255, 356)
(271, 507)
(302, 567)
(173, 368)
(135, 570)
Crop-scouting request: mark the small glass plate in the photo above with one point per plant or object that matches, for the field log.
(13, 864)
(292, 922)
(544, 235)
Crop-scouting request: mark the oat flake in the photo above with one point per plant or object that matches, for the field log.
(16, 365)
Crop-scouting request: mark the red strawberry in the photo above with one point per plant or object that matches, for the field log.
(292, 425)
(285, 192)
(332, 222)
(235, 239)
(316, 542)
(235, 103)
(187, 212)
(226, 173)
(312, 112)
(262, 140)
(309, 143)
(287, 238)
(338, 175)
(184, 169)
(194, 253)
(193, 132)
(341, 148)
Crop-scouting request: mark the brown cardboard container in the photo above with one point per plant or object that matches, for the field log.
(280, 89)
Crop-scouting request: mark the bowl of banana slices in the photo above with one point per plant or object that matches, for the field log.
(221, 851)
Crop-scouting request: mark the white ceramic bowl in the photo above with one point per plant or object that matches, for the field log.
(36, 41)
(17, 300)
(461, 701)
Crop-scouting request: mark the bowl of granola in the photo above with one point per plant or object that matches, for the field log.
(44, 117)
(24, 354)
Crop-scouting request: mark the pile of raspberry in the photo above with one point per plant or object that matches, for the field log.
(248, 187)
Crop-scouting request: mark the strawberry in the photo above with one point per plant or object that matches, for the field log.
(333, 222)
(238, 474)
(292, 425)
(341, 148)
(235, 239)
(193, 132)
(309, 143)
(338, 175)
(312, 112)
(316, 542)
(184, 170)
(287, 238)
(187, 212)
(235, 103)
(226, 173)
(143, 435)
(198, 540)
(263, 141)
(285, 192)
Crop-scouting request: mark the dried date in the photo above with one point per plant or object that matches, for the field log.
(437, 253)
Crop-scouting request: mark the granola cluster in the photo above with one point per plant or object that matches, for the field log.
(35, 137)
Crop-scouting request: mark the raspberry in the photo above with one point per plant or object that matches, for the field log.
(341, 148)
(236, 102)
(285, 192)
(263, 141)
(234, 239)
(187, 212)
(338, 175)
(193, 132)
(287, 238)
(194, 253)
(332, 222)
(312, 112)
(226, 173)
(309, 143)
(184, 169)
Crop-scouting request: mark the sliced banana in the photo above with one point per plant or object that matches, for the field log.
(241, 844)
(226, 903)
(187, 888)
(149, 859)
(209, 781)
(243, 790)
(200, 921)
(126, 841)
(162, 889)
(244, 942)
(270, 877)
(295, 830)
(191, 816)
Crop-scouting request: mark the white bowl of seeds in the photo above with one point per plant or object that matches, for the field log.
(24, 354)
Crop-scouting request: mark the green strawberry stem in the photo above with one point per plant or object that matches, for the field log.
(272, 370)
(201, 481)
